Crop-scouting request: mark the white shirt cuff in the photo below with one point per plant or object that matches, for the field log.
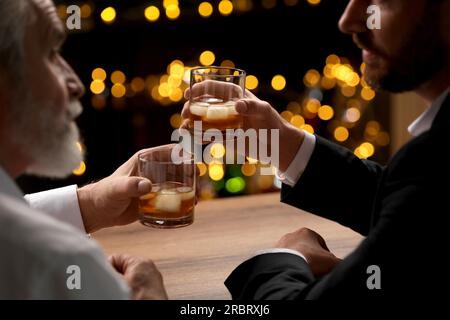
(62, 204)
(300, 161)
(281, 250)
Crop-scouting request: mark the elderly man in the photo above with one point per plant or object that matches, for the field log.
(42, 245)
(401, 207)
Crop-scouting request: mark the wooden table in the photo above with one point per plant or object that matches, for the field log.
(196, 260)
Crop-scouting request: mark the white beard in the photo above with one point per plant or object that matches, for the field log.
(49, 141)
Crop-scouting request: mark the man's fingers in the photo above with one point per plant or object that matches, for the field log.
(185, 124)
(252, 107)
(187, 94)
(129, 187)
(186, 113)
(119, 262)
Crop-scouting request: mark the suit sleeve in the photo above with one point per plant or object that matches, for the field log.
(336, 185)
(404, 244)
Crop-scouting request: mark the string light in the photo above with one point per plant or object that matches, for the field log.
(325, 112)
(108, 15)
(205, 9)
(152, 13)
(251, 82)
(278, 82)
(225, 7)
(287, 115)
(99, 74)
(80, 170)
(207, 58)
(118, 77)
(118, 90)
(97, 86)
(341, 134)
(172, 11)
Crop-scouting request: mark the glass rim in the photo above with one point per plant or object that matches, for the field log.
(141, 158)
(242, 72)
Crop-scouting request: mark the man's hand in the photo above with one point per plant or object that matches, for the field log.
(141, 275)
(313, 247)
(113, 201)
(257, 114)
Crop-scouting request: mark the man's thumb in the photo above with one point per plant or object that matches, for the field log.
(132, 187)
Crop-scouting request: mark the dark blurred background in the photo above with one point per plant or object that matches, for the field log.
(134, 59)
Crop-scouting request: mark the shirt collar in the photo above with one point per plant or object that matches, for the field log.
(425, 120)
(8, 185)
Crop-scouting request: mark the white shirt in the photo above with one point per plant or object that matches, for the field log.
(296, 168)
(39, 249)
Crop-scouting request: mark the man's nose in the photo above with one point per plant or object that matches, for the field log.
(354, 19)
(74, 85)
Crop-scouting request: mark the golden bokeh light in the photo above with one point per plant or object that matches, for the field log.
(85, 11)
(172, 11)
(353, 79)
(278, 82)
(97, 86)
(341, 134)
(176, 94)
(99, 74)
(297, 121)
(311, 78)
(216, 172)
(108, 15)
(152, 13)
(294, 107)
(227, 64)
(348, 91)
(367, 93)
(118, 90)
(287, 115)
(248, 169)
(202, 169)
(366, 149)
(164, 89)
(308, 128)
(251, 82)
(333, 59)
(167, 3)
(118, 77)
(328, 83)
(205, 9)
(325, 112)
(265, 182)
(207, 58)
(175, 120)
(225, 7)
(80, 170)
(314, 2)
(312, 105)
(138, 84)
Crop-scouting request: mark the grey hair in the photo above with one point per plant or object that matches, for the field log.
(14, 17)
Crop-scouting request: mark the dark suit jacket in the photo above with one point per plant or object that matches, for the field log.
(400, 208)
